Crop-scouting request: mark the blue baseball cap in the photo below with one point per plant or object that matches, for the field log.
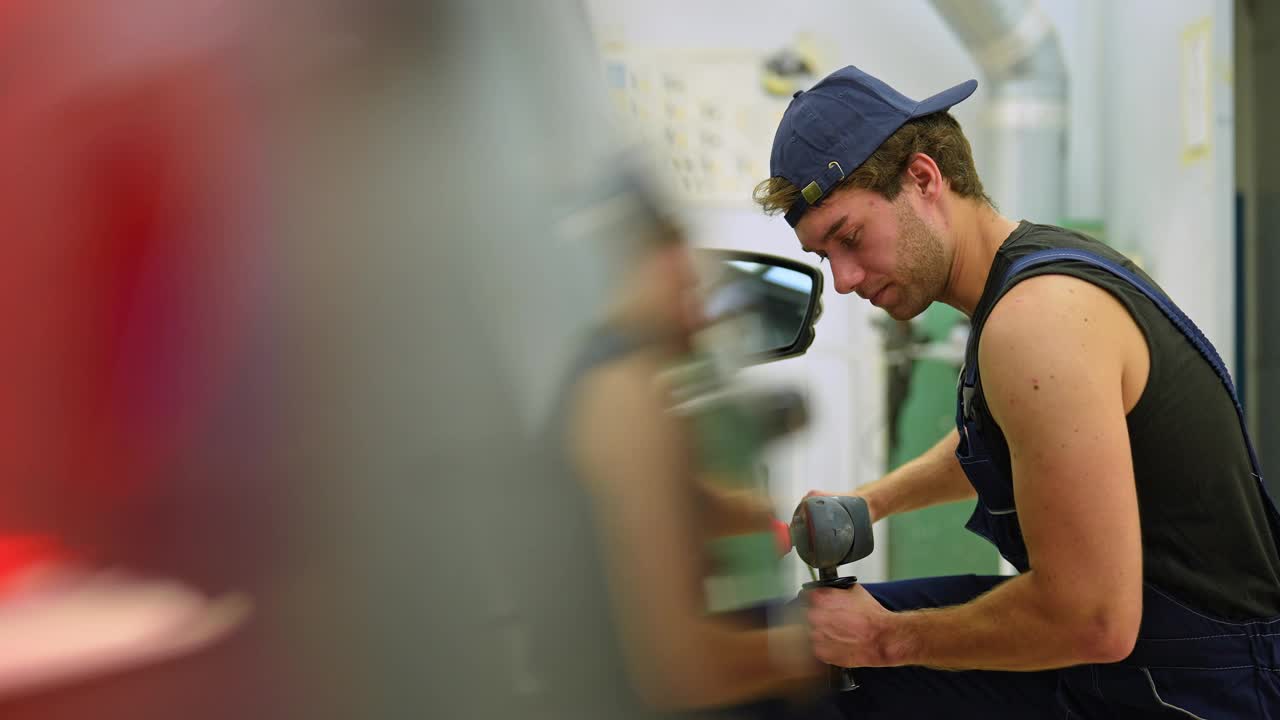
(832, 128)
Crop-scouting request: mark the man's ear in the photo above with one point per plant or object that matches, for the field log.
(923, 176)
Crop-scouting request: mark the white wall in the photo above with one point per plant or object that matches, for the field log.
(1078, 24)
(1124, 160)
(1179, 216)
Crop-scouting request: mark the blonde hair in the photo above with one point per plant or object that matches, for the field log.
(938, 135)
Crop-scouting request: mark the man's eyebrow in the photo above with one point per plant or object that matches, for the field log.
(835, 227)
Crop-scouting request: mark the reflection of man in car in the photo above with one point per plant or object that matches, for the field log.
(633, 469)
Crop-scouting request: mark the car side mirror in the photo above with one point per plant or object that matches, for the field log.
(759, 307)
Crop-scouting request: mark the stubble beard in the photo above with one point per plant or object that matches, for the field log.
(922, 265)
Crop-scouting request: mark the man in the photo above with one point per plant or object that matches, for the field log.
(1095, 426)
(630, 495)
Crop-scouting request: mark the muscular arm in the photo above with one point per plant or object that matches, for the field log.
(637, 461)
(1056, 355)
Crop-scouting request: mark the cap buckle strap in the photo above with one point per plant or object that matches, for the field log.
(815, 191)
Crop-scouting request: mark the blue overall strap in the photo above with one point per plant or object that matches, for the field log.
(1171, 311)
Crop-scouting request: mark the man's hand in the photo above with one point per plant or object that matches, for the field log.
(821, 493)
(873, 506)
(848, 628)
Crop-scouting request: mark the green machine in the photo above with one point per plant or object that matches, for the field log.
(924, 360)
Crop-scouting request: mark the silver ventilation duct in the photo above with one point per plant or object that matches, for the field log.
(1024, 124)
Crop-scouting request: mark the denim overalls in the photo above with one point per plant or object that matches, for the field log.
(1185, 664)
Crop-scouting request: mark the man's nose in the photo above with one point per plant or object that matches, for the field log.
(847, 276)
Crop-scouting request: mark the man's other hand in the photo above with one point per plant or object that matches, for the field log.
(848, 628)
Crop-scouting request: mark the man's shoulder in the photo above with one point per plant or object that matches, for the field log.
(1055, 326)
(1036, 236)
(1045, 296)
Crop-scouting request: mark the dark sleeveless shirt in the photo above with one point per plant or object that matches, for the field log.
(1205, 537)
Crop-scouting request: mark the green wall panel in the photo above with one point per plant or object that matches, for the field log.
(933, 541)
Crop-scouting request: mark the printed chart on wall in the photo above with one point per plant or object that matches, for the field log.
(1197, 90)
(708, 114)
